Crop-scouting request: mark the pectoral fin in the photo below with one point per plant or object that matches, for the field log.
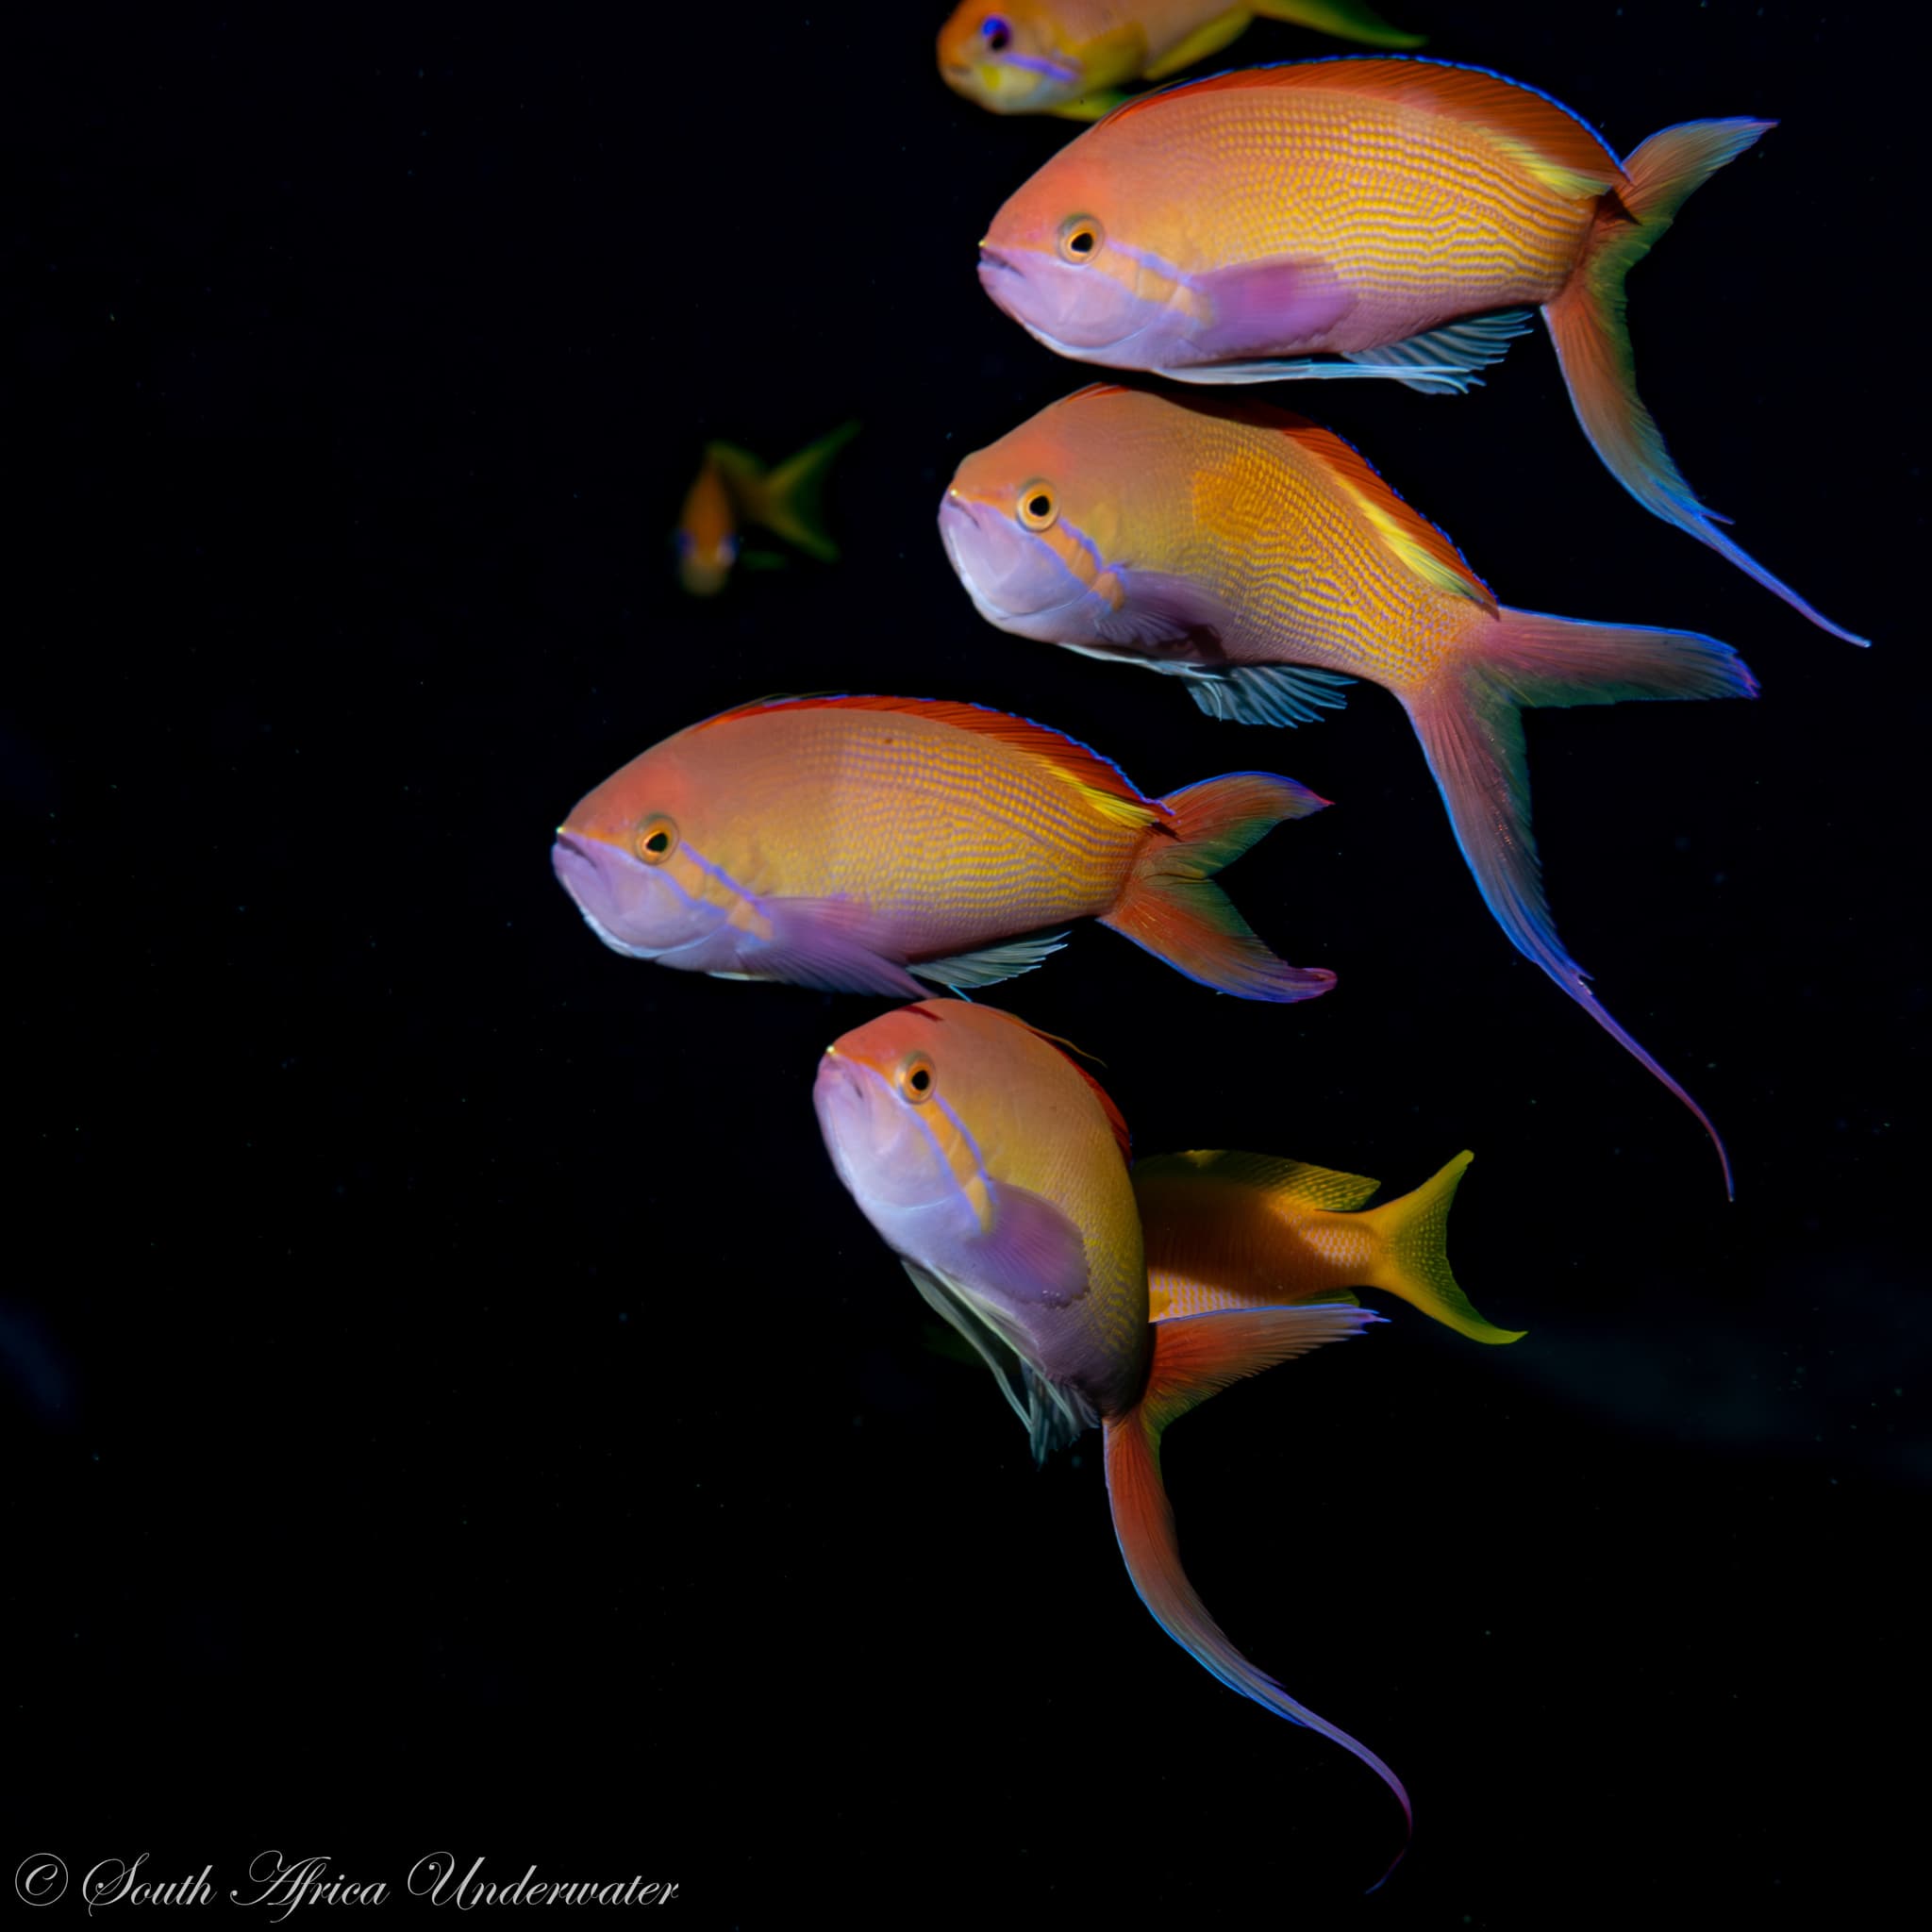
(1160, 615)
(829, 943)
(1030, 1255)
(1257, 306)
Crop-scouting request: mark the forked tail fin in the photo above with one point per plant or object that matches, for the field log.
(1473, 738)
(1195, 1356)
(1587, 323)
(1171, 905)
(786, 499)
(1412, 1256)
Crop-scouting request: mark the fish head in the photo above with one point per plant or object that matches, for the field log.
(1006, 56)
(705, 568)
(1073, 528)
(1075, 261)
(626, 854)
(706, 536)
(875, 1095)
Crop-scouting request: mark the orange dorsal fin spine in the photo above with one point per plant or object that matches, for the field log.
(1411, 536)
(1552, 141)
(1099, 779)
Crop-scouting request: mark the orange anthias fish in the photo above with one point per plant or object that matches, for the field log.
(996, 1169)
(1403, 215)
(1261, 559)
(733, 489)
(855, 842)
(1070, 57)
(1226, 1230)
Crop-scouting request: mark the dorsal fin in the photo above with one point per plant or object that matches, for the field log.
(1100, 778)
(1294, 1180)
(1413, 538)
(1557, 146)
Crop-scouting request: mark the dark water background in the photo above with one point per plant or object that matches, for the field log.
(449, 1403)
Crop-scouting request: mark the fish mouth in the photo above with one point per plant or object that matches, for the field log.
(572, 857)
(992, 259)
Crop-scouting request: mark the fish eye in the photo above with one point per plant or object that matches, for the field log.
(997, 35)
(1080, 238)
(1038, 506)
(656, 839)
(917, 1080)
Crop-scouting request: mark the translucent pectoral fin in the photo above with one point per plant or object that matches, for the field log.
(827, 943)
(1256, 305)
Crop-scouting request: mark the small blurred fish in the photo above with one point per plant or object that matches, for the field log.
(1261, 559)
(733, 489)
(1070, 57)
(996, 1169)
(1400, 214)
(1226, 1230)
(853, 843)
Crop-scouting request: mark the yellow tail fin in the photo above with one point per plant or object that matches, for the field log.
(785, 499)
(1412, 1257)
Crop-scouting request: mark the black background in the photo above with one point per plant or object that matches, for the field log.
(450, 1402)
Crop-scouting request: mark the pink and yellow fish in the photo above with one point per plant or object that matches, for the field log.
(867, 843)
(996, 1169)
(733, 489)
(1260, 560)
(1226, 1230)
(1071, 57)
(1403, 215)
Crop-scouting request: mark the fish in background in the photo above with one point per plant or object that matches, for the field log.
(1228, 1230)
(997, 1170)
(866, 843)
(1403, 215)
(1070, 57)
(1263, 561)
(733, 489)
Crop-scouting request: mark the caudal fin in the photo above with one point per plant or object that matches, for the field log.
(1473, 738)
(1587, 322)
(1412, 1256)
(789, 498)
(1195, 1356)
(1172, 908)
(1347, 20)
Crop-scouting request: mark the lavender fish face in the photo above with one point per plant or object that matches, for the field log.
(637, 908)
